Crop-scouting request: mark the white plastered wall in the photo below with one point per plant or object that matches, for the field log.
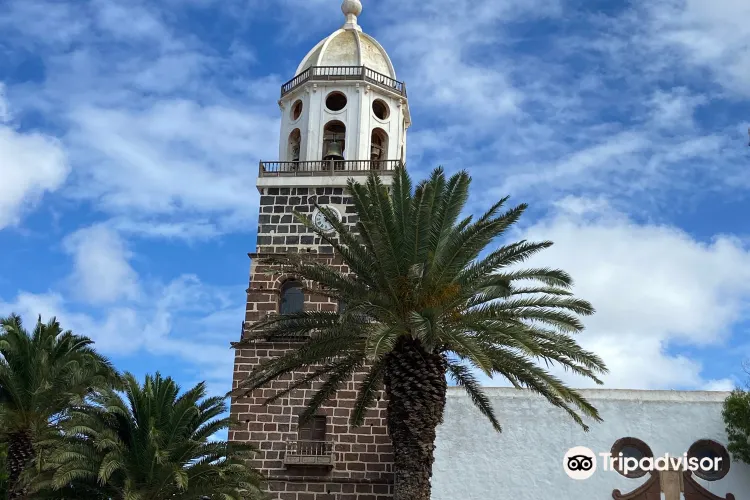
(524, 462)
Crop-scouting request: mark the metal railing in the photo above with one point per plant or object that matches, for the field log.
(344, 73)
(309, 453)
(326, 167)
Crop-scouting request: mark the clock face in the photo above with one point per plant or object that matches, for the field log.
(320, 220)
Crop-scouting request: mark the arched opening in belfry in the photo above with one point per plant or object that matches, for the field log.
(378, 148)
(295, 144)
(334, 144)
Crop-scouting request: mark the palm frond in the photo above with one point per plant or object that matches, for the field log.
(462, 376)
(155, 445)
(416, 270)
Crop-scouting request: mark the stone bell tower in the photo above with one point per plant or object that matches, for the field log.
(344, 115)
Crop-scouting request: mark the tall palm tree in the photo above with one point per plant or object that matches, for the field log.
(42, 375)
(423, 302)
(152, 444)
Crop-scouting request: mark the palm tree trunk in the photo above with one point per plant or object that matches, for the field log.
(415, 386)
(20, 452)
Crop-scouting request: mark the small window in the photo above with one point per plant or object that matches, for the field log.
(297, 110)
(380, 108)
(713, 459)
(313, 430)
(292, 298)
(630, 448)
(336, 101)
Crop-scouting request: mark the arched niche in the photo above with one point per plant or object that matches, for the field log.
(294, 145)
(378, 148)
(291, 297)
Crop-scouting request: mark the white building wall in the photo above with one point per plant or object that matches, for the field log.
(524, 462)
(288, 124)
(358, 117)
(392, 126)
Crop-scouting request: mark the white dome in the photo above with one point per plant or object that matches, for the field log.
(349, 46)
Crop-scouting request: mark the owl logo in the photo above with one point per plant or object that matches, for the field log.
(579, 463)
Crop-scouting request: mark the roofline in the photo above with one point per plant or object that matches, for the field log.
(308, 55)
(323, 44)
(385, 53)
(607, 394)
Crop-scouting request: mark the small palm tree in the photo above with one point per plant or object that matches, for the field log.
(152, 444)
(43, 375)
(422, 303)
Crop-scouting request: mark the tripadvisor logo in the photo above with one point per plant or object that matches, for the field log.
(580, 463)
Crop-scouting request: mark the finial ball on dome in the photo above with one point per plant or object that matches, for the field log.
(353, 7)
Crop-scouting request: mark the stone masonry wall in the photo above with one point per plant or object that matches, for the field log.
(278, 229)
(363, 456)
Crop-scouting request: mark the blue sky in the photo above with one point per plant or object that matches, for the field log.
(130, 133)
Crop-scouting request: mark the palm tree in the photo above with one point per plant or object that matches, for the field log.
(423, 302)
(152, 444)
(42, 375)
(3, 470)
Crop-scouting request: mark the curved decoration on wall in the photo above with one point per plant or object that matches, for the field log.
(674, 484)
(650, 490)
(694, 491)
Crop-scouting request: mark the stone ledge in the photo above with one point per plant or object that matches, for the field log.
(314, 181)
(316, 479)
(257, 255)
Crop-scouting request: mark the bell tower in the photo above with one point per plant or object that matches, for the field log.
(344, 105)
(344, 114)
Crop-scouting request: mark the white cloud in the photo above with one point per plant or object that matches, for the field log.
(596, 163)
(653, 287)
(720, 385)
(176, 164)
(30, 165)
(196, 229)
(102, 271)
(160, 160)
(4, 111)
(542, 116)
(675, 109)
(184, 321)
(713, 35)
(165, 134)
(116, 333)
(45, 22)
(163, 129)
(130, 21)
(437, 43)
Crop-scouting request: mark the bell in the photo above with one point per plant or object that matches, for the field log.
(334, 152)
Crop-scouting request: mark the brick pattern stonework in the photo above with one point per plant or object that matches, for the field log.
(363, 462)
(278, 229)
